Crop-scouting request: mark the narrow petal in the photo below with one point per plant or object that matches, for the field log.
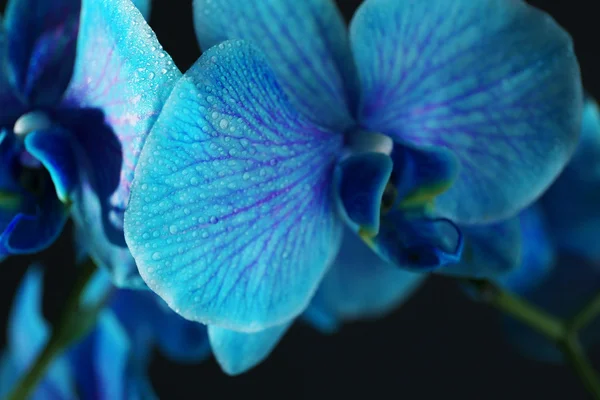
(360, 285)
(305, 42)
(42, 41)
(494, 81)
(237, 352)
(110, 358)
(490, 252)
(362, 181)
(54, 148)
(8, 375)
(571, 203)
(232, 188)
(28, 333)
(122, 73)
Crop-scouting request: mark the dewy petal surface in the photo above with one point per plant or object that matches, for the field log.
(494, 81)
(42, 39)
(232, 218)
(359, 285)
(237, 352)
(122, 73)
(305, 42)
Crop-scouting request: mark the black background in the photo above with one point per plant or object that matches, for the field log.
(438, 344)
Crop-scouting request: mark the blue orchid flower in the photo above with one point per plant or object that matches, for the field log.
(111, 361)
(286, 130)
(81, 85)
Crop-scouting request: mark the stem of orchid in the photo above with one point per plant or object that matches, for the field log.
(63, 335)
(573, 351)
(563, 334)
(534, 317)
(585, 316)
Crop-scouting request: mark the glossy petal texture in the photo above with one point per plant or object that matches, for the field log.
(490, 252)
(122, 73)
(55, 149)
(537, 253)
(305, 42)
(571, 203)
(359, 285)
(144, 6)
(41, 44)
(446, 74)
(237, 352)
(572, 284)
(232, 187)
(362, 181)
(27, 334)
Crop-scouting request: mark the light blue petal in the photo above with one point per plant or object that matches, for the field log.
(232, 218)
(359, 285)
(491, 251)
(110, 359)
(41, 43)
(122, 72)
(145, 6)
(538, 253)
(28, 333)
(362, 181)
(54, 148)
(494, 81)
(237, 352)
(571, 205)
(305, 42)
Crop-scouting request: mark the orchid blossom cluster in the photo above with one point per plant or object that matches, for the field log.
(302, 168)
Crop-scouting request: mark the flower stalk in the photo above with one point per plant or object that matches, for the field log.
(564, 334)
(74, 323)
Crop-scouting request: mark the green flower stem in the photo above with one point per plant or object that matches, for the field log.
(571, 348)
(73, 324)
(565, 335)
(534, 317)
(585, 316)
